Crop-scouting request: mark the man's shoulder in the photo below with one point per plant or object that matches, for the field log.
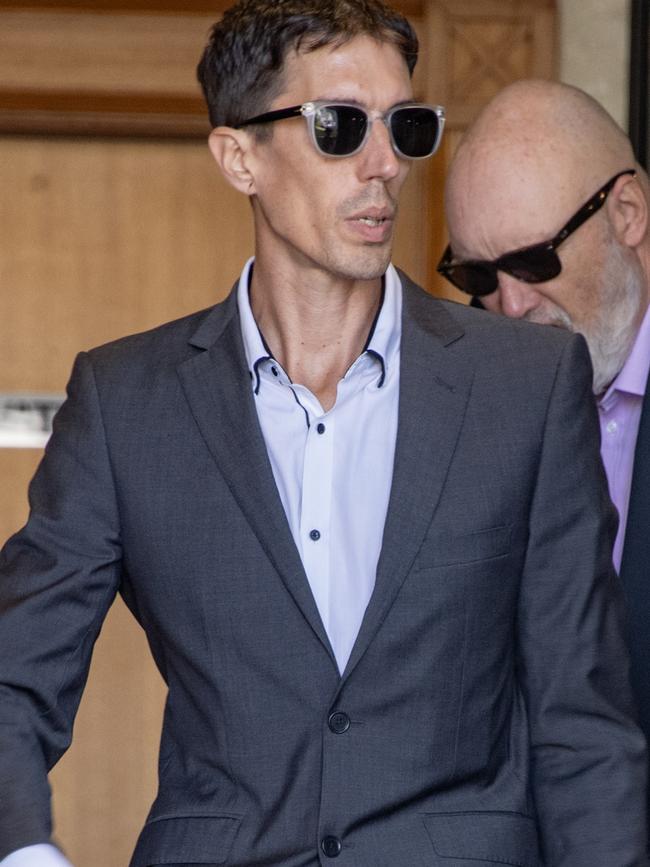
(480, 329)
(167, 343)
(148, 361)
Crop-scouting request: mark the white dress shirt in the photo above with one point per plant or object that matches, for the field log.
(333, 471)
(42, 855)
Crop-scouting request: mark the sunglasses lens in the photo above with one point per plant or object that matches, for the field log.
(534, 265)
(531, 265)
(416, 131)
(475, 278)
(339, 129)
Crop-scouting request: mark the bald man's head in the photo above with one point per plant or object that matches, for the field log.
(543, 145)
(537, 152)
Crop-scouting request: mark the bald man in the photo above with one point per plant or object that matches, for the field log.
(548, 221)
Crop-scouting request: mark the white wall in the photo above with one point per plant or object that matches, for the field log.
(594, 50)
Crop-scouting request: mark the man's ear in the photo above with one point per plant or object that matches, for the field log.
(629, 211)
(231, 150)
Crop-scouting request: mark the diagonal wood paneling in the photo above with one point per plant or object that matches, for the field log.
(485, 45)
(474, 48)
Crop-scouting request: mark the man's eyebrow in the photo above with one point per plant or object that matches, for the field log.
(358, 103)
(340, 99)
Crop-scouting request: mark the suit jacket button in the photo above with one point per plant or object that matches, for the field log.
(339, 722)
(331, 846)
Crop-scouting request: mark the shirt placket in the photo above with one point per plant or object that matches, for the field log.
(315, 513)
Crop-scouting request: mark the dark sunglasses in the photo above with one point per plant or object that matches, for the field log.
(534, 264)
(341, 130)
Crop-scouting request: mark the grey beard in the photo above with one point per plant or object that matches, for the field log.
(611, 336)
(618, 300)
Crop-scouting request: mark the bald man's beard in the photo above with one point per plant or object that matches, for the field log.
(612, 328)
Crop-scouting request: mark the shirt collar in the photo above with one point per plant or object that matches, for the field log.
(384, 338)
(383, 341)
(633, 376)
(254, 347)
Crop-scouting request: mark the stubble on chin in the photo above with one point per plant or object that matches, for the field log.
(367, 262)
(363, 261)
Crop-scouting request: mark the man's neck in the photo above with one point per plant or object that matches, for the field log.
(315, 324)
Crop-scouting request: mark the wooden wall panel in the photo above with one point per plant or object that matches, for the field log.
(86, 52)
(101, 238)
(77, 70)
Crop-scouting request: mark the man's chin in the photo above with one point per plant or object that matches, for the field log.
(367, 264)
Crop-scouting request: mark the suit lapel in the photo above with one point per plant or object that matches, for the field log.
(433, 395)
(217, 386)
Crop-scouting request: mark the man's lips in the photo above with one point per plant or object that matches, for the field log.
(372, 224)
(374, 214)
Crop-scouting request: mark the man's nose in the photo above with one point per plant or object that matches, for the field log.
(514, 297)
(378, 158)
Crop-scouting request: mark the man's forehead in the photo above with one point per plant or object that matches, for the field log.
(348, 71)
(500, 205)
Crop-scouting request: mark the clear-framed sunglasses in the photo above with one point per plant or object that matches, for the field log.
(340, 129)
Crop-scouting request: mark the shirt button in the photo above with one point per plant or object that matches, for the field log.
(274, 371)
(314, 535)
(339, 722)
(331, 846)
(321, 428)
(612, 427)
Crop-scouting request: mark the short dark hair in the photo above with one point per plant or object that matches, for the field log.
(241, 70)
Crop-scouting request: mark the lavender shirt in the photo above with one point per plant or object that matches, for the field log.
(620, 412)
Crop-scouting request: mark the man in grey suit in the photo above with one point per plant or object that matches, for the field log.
(367, 532)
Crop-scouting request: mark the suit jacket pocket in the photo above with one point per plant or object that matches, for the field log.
(448, 549)
(176, 840)
(492, 837)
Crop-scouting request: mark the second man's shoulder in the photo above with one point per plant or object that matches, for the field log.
(481, 330)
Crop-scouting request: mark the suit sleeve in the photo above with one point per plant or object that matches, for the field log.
(58, 577)
(588, 755)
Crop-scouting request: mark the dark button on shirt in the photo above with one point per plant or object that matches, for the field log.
(321, 428)
(314, 535)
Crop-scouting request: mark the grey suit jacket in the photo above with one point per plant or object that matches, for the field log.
(484, 716)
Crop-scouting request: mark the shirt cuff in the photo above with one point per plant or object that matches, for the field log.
(41, 855)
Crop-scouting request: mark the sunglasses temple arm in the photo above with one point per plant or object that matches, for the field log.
(270, 116)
